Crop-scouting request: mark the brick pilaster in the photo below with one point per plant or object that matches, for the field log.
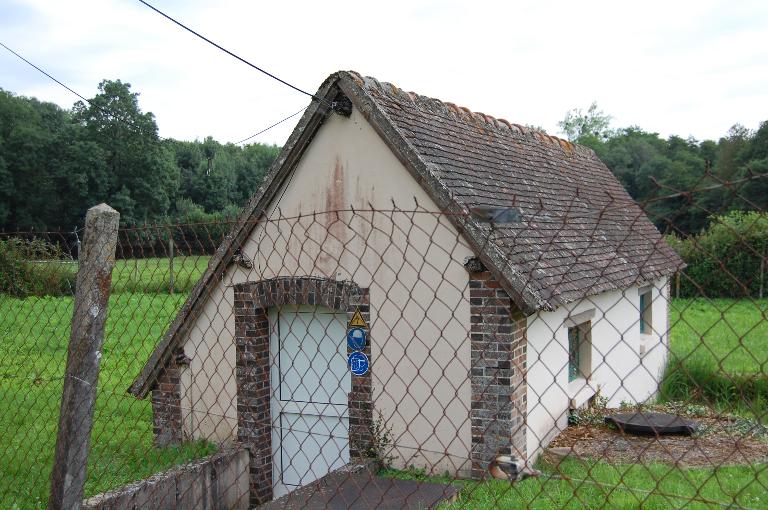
(361, 396)
(166, 405)
(253, 393)
(498, 353)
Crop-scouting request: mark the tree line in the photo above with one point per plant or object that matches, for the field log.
(709, 197)
(680, 182)
(55, 163)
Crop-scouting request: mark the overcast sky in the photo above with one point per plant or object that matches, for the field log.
(686, 68)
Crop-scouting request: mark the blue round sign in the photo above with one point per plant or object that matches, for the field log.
(356, 339)
(358, 363)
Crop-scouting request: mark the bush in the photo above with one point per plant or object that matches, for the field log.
(198, 232)
(34, 268)
(727, 258)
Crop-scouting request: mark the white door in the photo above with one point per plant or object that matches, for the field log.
(310, 383)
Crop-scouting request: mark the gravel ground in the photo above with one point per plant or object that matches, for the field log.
(722, 441)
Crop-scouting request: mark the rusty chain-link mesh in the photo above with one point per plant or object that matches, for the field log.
(374, 358)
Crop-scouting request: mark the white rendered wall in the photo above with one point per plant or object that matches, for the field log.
(619, 371)
(419, 306)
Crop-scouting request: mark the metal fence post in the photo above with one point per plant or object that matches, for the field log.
(170, 261)
(82, 371)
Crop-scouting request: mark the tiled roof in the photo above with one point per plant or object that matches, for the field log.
(580, 233)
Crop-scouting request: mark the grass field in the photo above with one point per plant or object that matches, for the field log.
(576, 484)
(32, 356)
(153, 275)
(35, 333)
(719, 354)
(149, 276)
(725, 334)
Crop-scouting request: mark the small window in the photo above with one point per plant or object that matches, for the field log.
(579, 352)
(646, 313)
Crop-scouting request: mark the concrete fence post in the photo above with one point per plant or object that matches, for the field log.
(94, 276)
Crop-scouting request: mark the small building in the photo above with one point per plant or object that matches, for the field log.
(496, 276)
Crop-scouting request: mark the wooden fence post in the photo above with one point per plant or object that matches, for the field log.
(89, 316)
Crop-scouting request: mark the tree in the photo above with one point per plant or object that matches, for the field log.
(753, 167)
(48, 168)
(578, 125)
(55, 163)
(654, 170)
(140, 168)
(215, 176)
(6, 189)
(251, 167)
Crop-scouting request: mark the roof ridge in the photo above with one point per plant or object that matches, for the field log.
(464, 113)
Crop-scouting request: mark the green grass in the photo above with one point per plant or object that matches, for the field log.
(577, 484)
(725, 334)
(719, 354)
(35, 333)
(153, 275)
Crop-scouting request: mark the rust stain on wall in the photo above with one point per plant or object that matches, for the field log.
(328, 259)
(334, 197)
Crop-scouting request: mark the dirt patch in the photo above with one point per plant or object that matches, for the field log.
(722, 441)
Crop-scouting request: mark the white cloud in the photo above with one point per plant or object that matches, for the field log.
(687, 68)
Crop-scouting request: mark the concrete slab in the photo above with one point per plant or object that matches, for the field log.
(361, 489)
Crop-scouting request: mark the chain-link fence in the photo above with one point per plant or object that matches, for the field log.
(382, 358)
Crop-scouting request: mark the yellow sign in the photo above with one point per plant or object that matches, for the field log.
(357, 320)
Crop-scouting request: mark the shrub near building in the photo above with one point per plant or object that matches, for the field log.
(727, 259)
(34, 268)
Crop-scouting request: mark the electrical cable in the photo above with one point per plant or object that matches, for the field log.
(273, 125)
(234, 55)
(104, 110)
(48, 75)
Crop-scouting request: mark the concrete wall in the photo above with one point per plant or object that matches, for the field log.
(217, 482)
(413, 265)
(626, 366)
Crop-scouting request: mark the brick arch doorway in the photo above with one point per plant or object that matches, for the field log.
(285, 327)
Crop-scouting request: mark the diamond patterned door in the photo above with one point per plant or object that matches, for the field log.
(310, 383)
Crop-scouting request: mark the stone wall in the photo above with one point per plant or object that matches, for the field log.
(217, 482)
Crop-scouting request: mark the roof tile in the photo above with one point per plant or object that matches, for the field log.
(581, 232)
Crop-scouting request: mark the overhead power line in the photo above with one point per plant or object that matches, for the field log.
(101, 108)
(270, 127)
(45, 73)
(234, 55)
(106, 111)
